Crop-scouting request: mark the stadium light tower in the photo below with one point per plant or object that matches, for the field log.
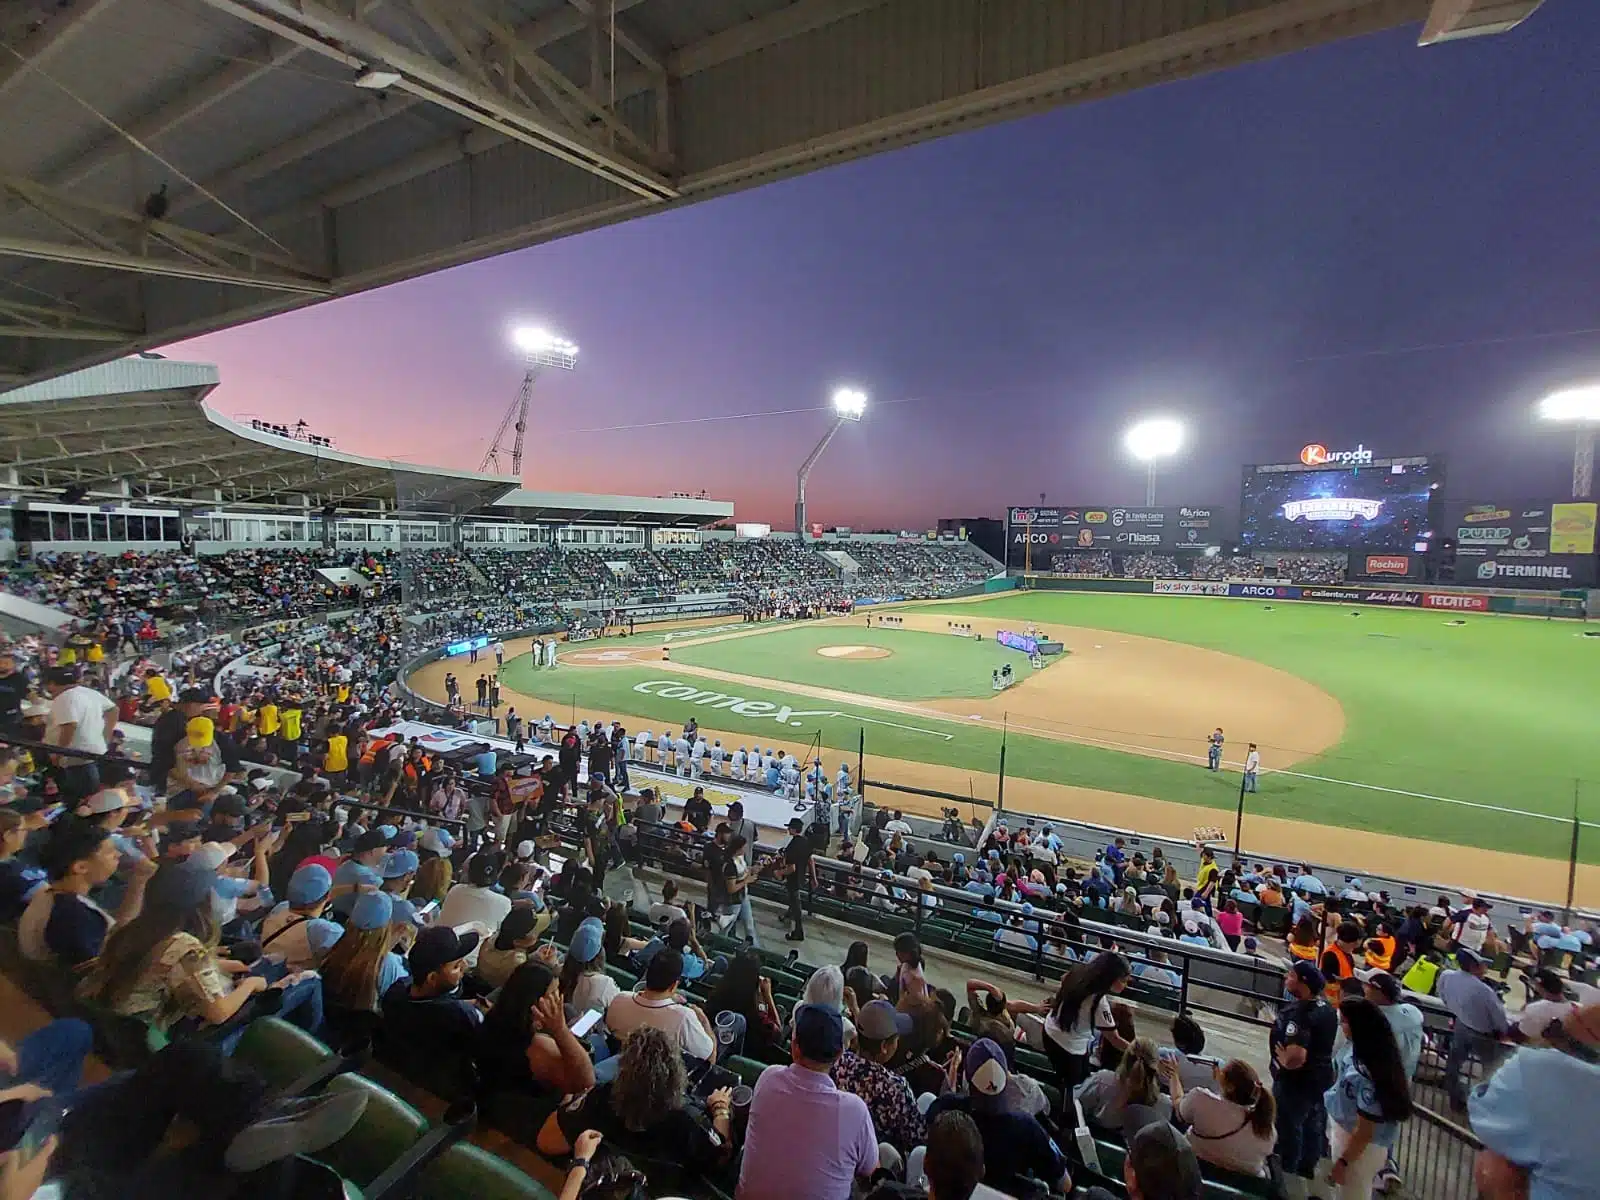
(1150, 441)
(848, 405)
(1579, 407)
(540, 349)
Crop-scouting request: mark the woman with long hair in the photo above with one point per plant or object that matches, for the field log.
(525, 1041)
(163, 966)
(855, 956)
(1368, 1102)
(1232, 1124)
(744, 990)
(648, 1112)
(584, 981)
(1304, 941)
(618, 941)
(1081, 1010)
(361, 967)
(1107, 1095)
(432, 881)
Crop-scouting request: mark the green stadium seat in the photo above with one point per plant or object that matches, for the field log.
(468, 1172)
(626, 980)
(747, 1069)
(388, 1128)
(281, 1053)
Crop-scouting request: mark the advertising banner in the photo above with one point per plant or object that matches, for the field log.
(1551, 571)
(1017, 641)
(1507, 530)
(1034, 532)
(1455, 602)
(1388, 564)
(1393, 598)
(1190, 587)
(1265, 591)
(1572, 528)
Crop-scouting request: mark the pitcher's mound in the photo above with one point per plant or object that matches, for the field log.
(853, 652)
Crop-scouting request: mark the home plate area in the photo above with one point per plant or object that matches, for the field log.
(853, 652)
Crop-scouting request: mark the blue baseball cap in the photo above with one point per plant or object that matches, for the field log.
(588, 940)
(438, 841)
(819, 1032)
(390, 832)
(986, 1068)
(400, 863)
(373, 910)
(309, 884)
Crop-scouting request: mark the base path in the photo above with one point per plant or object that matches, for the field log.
(1279, 838)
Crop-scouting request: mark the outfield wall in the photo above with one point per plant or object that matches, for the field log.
(1571, 603)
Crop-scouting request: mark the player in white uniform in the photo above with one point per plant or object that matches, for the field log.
(583, 731)
(643, 743)
(717, 754)
(702, 751)
(841, 781)
(790, 781)
(547, 727)
(666, 749)
(766, 759)
(738, 761)
(680, 755)
(550, 653)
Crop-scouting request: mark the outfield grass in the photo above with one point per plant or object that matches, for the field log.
(1500, 711)
(920, 666)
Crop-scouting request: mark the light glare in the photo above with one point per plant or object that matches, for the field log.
(1581, 404)
(850, 402)
(1157, 437)
(532, 340)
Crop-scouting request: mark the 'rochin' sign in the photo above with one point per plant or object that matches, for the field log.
(671, 689)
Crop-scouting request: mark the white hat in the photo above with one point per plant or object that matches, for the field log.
(108, 800)
(525, 850)
(214, 854)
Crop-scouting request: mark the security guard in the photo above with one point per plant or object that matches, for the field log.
(1302, 1068)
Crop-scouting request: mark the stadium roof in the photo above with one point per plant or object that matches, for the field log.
(177, 166)
(140, 426)
(579, 506)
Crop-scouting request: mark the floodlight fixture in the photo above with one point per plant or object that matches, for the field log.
(540, 349)
(849, 403)
(545, 348)
(1579, 407)
(1150, 441)
(377, 79)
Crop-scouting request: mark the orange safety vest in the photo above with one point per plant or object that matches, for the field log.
(1380, 960)
(1304, 953)
(1347, 966)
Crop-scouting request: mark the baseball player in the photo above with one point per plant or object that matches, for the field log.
(737, 763)
(680, 755)
(666, 749)
(717, 755)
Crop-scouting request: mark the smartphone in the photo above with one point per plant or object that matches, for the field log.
(428, 909)
(44, 1126)
(54, 811)
(586, 1022)
(295, 818)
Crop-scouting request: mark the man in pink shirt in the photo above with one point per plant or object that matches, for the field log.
(806, 1137)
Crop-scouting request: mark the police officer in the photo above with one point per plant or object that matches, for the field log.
(1302, 1068)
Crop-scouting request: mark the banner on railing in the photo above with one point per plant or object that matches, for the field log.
(1190, 587)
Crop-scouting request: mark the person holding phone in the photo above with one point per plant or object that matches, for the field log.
(526, 1043)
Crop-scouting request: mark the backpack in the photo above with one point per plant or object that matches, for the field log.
(1421, 977)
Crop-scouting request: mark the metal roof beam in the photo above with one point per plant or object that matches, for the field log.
(627, 37)
(360, 46)
(750, 36)
(137, 264)
(53, 35)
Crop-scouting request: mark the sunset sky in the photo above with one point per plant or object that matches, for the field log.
(1245, 250)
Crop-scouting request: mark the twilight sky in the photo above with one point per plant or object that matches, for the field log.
(1235, 249)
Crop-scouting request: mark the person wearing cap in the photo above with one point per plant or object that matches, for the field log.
(362, 965)
(798, 872)
(864, 1072)
(805, 1137)
(424, 1016)
(1480, 1022)
(1015, 1144)
(295, 929)
(171, 728)
(476, 901)
(513, 945)
(657, 1004)
(1301, 1044)
(1550, 1004)
(1535, 1117)
(360, 872)
(198, 764)
(399, 870)
(435, 842)
(1384, 991)
(162, 966)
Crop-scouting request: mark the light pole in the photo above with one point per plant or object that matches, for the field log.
(540, 348)
(848, 405)
(1150, 441)
(1578, 407)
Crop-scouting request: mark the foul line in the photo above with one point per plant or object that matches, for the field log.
(949, 737)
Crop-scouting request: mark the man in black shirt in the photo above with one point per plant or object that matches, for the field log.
(1302, 1069)
(697, 810)
(719, 869)
(432, 1028)
(13, 691)
(797, 871)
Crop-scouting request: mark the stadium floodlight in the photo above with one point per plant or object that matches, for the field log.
(540, 348)
(1579, 407)
(1150, 441)
(849, 404)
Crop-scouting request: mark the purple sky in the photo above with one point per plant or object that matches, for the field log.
(1231, 249)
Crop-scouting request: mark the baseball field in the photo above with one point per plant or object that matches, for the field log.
(1410, 742)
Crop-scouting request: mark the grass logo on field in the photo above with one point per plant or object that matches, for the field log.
(671, 689)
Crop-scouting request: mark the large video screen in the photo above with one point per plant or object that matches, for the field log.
(1379, 507)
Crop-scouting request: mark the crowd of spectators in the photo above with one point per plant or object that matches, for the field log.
(943, 564)
(1083, 563)
(1311, 568)
(1150, 566)
(1221, 567)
